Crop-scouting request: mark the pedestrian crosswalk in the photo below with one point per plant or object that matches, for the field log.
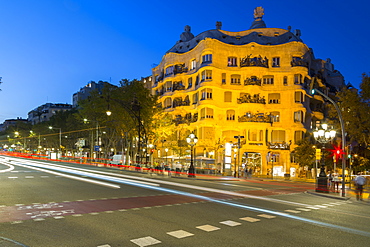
(149, 240)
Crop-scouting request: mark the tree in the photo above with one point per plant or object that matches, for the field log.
(355, 108)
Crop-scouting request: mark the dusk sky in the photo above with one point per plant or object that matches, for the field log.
(49, 49)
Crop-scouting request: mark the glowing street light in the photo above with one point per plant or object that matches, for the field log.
(192, 141)
(323, 135)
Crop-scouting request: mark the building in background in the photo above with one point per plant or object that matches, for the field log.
(44, 112)
(86, 91)
(11, 123)
(246, 95)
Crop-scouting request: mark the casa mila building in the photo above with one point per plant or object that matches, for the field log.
(245, 95)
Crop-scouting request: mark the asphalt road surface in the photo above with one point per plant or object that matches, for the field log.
(45, 203)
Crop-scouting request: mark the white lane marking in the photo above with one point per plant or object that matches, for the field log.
(14, 171)
(250, 219)
(39, 219)
(180, 234)
(29, 177)
(303, 209)
(146, 241)
(320, 206)
(44, 176)
(313, 207)
(208, 228)
(72, 177)
(292, 211)
(104, 245)
(230, 223)
(267, 216)
(58, 217)
(16, 222)
(12, 177)
(11, 168)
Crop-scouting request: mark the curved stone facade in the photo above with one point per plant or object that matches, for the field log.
(253, 83)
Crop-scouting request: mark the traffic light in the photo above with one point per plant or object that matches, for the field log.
(318, 154)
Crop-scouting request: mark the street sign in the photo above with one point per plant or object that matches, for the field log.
(96, 148)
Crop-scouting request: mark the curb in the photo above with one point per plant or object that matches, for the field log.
(328, 195)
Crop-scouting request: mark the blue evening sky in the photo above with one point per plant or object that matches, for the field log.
(49, 49)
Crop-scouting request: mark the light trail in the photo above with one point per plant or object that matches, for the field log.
(242, 206)
(35, 164)
(72, 177)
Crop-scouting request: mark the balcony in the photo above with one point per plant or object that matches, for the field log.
(298, 61)
(256, 118)
(187, 119)
(279, 145)
(252, 81)
(254, 62)
(247, 98)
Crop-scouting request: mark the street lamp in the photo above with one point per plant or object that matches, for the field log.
(97, 147)
(166, 150)
(235, 165)
(60, 135)
(191, 140)
(323, 135)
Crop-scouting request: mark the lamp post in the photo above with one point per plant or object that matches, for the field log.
(192, 139)
(235, 165)
(97, 147)
(323, 135)
(60, 136)
(166, 150)
(341, 121)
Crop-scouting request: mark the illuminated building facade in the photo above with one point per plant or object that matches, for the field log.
(246, 95)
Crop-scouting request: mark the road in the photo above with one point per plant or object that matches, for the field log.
(47, 203)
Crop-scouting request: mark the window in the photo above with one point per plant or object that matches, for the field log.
(193, 64)
(168, 86)
(297, 79)
(223, 78)
(276, 62)
(207, 58)
(298, 116)
(195, 98)
(232, 62)
(278, 136)
(274, 98)
(167, 103)
(285, 80)
(298, 97)
(275, 116)
(206, 75)
(206, 94)
(227, 96)
(230, 115)
(268, 80)
(169, 70)
(255, 135)
(235, 79)
(190, 82)
(206, 113)
(298, 135)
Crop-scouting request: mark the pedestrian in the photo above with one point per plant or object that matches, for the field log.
(359, 182)
(250, 172)
(330, 181)
(335, 180)
(246, 172)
